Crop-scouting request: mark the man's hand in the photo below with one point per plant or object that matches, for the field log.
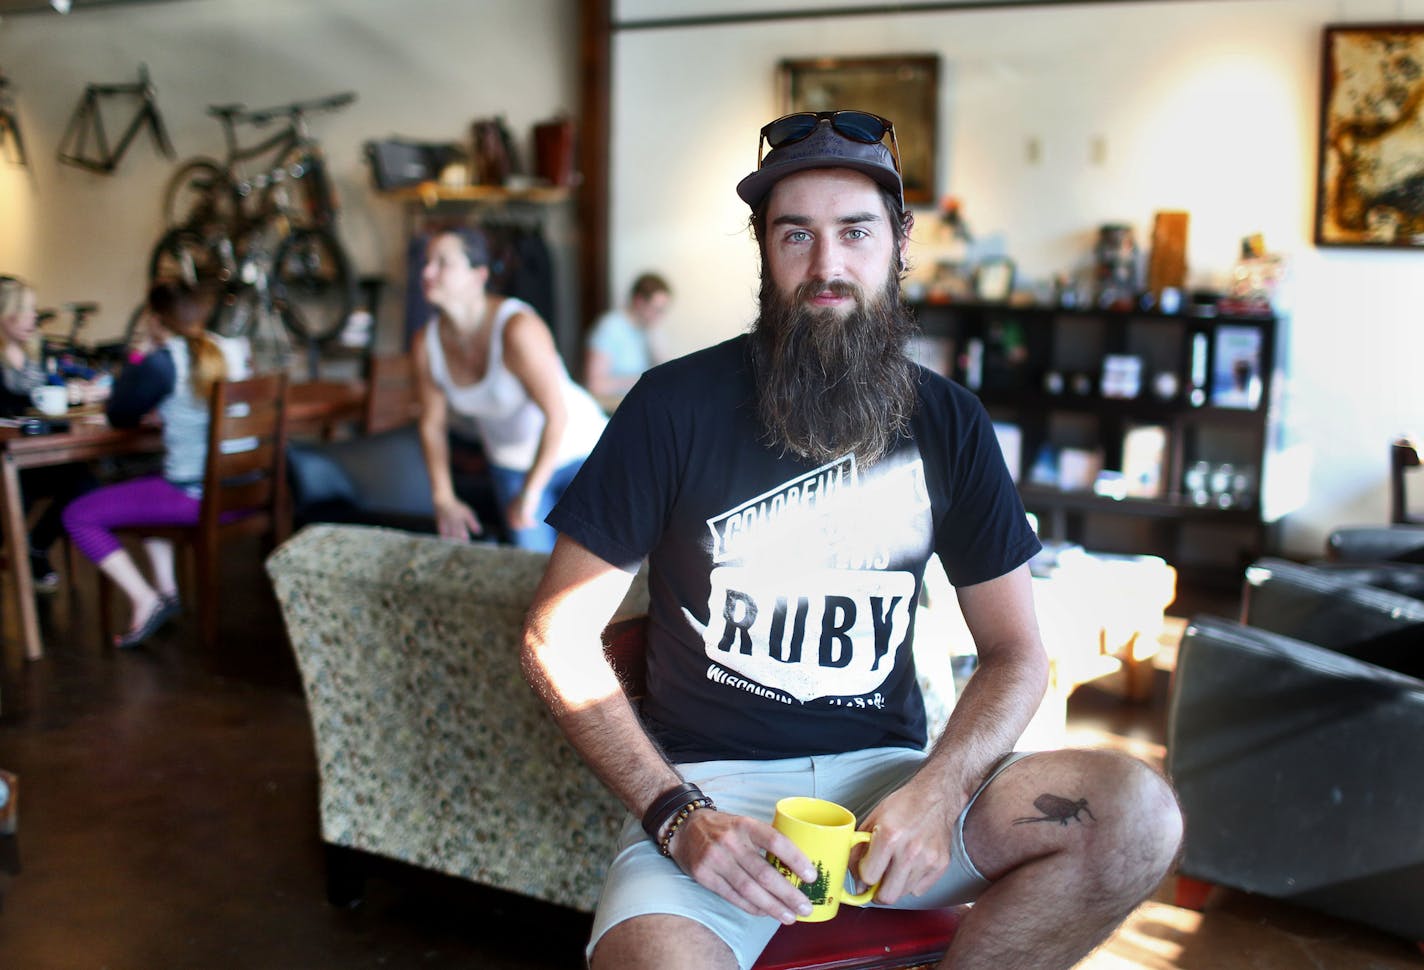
(911, 842)
(456, 520)
(727, 854)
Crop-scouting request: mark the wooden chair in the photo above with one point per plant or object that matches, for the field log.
(244, 487)
(391, 401)
(857, 939)
(1403, 455)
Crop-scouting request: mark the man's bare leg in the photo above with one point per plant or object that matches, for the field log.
(1073, 841)
(659, 942)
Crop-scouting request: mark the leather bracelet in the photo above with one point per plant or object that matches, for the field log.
(666, 804)
(684, 813)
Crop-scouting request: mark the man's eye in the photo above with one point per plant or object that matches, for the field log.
(797, 236)
(856, 234)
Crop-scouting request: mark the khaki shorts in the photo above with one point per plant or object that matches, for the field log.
(642, 882)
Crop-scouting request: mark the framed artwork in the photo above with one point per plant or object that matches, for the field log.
(1370, 181)
(1236, 373)
(904, 89)
(994, 279)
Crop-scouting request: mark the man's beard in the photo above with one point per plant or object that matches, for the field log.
(830, 384)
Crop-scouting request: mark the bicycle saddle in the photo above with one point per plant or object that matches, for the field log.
(226, 110)
(81, 309)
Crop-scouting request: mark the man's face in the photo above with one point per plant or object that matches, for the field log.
(648, 311)
(828, 346)
(828, 226)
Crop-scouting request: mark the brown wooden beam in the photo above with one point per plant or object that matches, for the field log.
(595, 55)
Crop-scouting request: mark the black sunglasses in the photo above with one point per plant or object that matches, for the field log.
(861, 126)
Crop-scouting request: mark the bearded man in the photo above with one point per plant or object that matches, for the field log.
(787, 488)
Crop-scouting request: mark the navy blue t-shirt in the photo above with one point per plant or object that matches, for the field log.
(783, 592)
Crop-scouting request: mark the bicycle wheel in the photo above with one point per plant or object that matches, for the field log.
(237, 312)
(189, 257)
(198, 194)
(312, 284)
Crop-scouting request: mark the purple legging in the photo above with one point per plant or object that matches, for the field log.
(152, 500)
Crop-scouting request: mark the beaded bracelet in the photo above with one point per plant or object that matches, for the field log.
(665, 843)
(665, 805)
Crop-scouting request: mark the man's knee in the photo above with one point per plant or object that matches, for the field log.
(660, 941)
(1134, 843)
(1111, 817)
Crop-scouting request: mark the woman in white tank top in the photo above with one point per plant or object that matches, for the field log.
(492, 360)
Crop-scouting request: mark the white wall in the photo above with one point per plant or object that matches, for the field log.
(421, 68)
(1205, 106)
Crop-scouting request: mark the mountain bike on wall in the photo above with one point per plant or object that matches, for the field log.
(291, 177)
(264, 241)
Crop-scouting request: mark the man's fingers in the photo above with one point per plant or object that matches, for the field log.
(900, 866)
(790, 855)
(727, 855)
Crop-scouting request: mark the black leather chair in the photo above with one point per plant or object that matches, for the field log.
(1300, 765)
(379, 479)
(1376, 543)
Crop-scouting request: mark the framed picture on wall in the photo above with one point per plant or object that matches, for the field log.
(1370, 180)
(904, 89)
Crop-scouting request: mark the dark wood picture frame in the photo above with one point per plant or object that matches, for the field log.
(1370, 177)
(903, 88)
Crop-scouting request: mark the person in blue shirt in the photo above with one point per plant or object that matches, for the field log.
(627, 341)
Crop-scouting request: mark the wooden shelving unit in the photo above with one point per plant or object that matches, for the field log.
(1041, 369)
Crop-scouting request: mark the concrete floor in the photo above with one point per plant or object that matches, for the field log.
(168, 820)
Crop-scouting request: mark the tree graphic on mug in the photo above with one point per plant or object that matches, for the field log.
(817, 891)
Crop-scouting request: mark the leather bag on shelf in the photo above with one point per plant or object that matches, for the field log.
(493, 150)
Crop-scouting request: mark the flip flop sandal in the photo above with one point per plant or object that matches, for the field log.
(166, 610)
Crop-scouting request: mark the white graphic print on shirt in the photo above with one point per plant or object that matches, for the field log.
(804, 602)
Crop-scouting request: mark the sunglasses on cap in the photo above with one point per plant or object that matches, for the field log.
(861, 126)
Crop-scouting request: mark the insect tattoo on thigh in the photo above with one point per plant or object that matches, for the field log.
(1056, 808)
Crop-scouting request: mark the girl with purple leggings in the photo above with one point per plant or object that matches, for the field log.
(174, 379)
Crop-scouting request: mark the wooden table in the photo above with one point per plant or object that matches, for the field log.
(319, 406)
(314, 406)
(88, 438)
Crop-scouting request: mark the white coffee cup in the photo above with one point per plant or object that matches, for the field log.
(51, 399)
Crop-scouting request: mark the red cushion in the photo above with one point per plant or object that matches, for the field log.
(864, 939)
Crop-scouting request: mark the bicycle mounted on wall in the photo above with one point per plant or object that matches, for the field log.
(88, 122)
(11, 144)
(263, 242)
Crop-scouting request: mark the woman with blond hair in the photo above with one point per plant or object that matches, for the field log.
(20, 375)
(174, 379)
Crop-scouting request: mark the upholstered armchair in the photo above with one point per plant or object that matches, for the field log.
(1294, 740)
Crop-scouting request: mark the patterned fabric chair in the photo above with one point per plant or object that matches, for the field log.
(431, 748)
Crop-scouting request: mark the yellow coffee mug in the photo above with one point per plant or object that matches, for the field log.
(826, 832)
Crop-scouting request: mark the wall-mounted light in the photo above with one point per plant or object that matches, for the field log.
(61, 5)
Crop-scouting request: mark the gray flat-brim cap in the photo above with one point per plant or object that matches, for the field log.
(823, 148)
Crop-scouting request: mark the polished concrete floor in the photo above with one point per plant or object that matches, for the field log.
(168, 820)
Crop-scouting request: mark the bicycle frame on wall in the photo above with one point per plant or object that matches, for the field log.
(88, 122)
(12, 146)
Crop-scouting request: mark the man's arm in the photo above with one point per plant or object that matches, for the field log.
(563, 660)
(911, 845)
